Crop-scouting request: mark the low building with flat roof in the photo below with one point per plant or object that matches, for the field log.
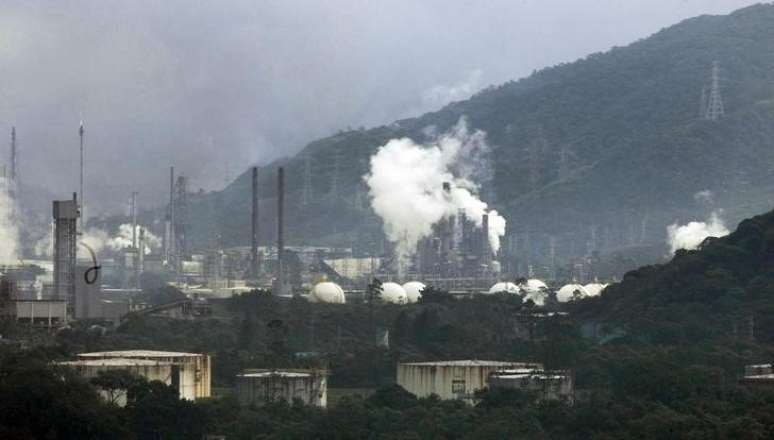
(149, 369)
(259, 387)
(544, 384)
(190, 372)
(758, 376)
(458, 379)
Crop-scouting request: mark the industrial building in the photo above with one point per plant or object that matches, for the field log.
(259, 387)
(148, 369)
(758, 376)
(545, 385)
(190, 373)
(453, 379)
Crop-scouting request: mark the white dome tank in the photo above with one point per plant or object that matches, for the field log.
(393, 293)
(413, 290)
(535, 290)
(504, 287)
(594, 289)
(327, 292)
(568, 292)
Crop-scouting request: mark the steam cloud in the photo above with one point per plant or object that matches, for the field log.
(406, 186)
(9, 228)
(98, 240)
(690, 236)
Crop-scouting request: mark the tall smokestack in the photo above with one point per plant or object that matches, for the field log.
(254, 224)
(280, 233)
(13, 155)
(486, 247)
(171, 215)
(82, 219)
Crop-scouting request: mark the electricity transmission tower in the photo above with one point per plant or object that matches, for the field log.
(711, 108)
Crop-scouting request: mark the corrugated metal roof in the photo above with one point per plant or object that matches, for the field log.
(137, 354)
(275, 374)
(113, 362)
(473, 363)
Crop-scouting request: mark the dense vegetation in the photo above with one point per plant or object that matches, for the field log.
(663, 361)
(635, 150)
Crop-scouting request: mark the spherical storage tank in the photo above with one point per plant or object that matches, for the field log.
(568, 292)
(327, 292)
(535, 290)
(505, 287)
(393, 293)
(594, 289)
(413, 290)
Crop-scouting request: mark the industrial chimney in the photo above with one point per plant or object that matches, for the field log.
(254, 224)
(280, 278)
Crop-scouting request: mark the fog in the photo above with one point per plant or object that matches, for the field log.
(212, 86)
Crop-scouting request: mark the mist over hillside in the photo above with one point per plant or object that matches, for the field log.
(601, 154)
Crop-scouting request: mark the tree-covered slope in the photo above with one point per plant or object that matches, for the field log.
(724, 288)
(601, 153)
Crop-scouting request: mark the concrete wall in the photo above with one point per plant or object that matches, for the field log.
(449, 380)
(260, 387)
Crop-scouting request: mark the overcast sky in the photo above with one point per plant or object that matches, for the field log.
(213, 86)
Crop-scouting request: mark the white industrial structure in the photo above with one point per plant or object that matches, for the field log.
(452, 379)
(148, 369)
(595, 289)
(413, 290)
(570, 292)
(259, 387)
(190, 373)
(546, 385)
(327, 292)
(535, 290)
(504, 287)
(393, 293)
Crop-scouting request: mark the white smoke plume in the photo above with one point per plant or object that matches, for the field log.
(691, 235)
(9, 227)
(406, 186)
(704, 197)
(440, 95)
(98, 239)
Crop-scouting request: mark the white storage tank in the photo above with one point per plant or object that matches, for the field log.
(393, 293)
(569, 292)
(327, 292)
(259, 387)
(505, 287)
(413, 290)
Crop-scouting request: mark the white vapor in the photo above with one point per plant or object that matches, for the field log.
(691, 235)
(406, 187)
(98, 240)
(440, 95)
(9, 227)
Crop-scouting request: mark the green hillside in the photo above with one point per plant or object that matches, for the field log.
(603, 152)
(713, 292)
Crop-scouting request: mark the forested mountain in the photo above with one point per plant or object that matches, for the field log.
(725, 288)
(602, 153)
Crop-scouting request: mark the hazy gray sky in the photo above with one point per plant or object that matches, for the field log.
(217, 85)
